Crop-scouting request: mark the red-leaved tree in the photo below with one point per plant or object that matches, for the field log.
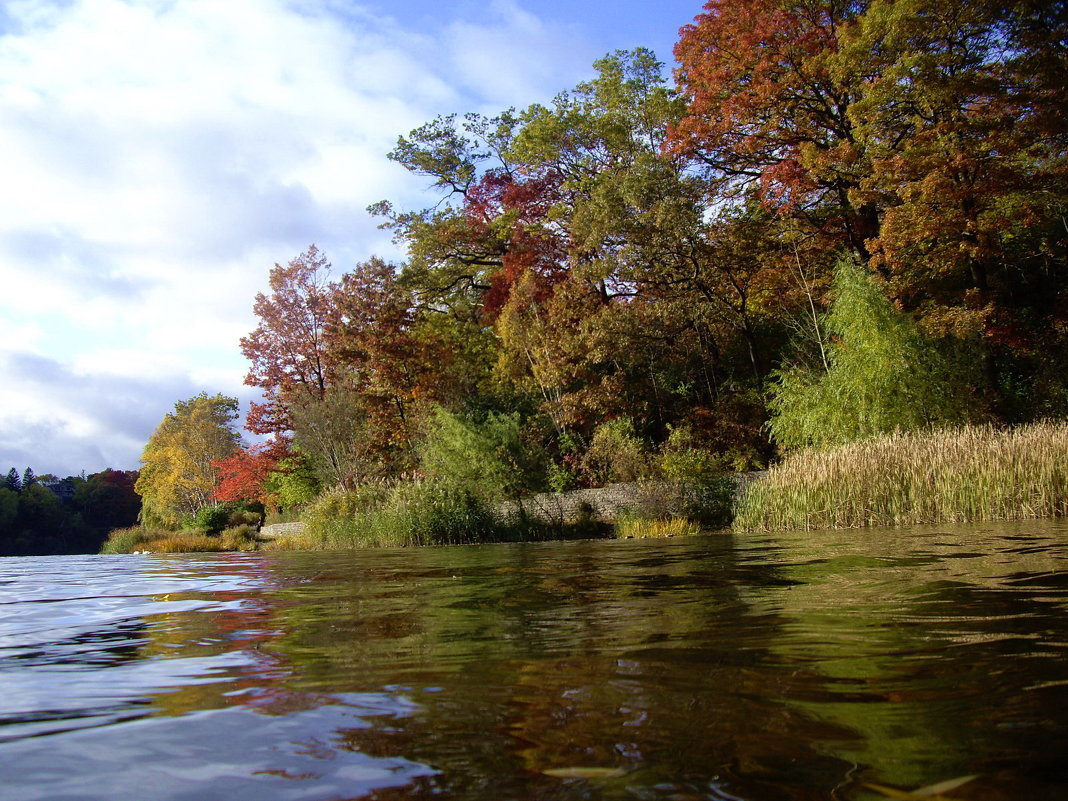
(287, 352)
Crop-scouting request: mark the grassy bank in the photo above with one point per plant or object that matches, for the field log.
(413, 514)
(138, 539)
(965, 474)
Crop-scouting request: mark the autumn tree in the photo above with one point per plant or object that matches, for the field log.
(962, 120)
(287, 350)
(177, 477)
(769, 111)
(246, 474)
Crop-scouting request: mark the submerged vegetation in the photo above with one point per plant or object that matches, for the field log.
(965, 474)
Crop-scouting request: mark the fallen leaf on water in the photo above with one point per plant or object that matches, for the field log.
(585, 773)
(946, 786)
(924, 794)
(901, 795)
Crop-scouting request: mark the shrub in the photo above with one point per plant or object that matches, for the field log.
(883, 375)
(238, 538)
(127, 540)
(616, 453)
(211, 519)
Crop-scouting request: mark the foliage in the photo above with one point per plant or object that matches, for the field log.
(335, 437)
(409, 513)
(485, 458)
(287, 351)
(246, 474)
(12, 482)
(293, 483)
(9, 508)
(138, 539)
(882, 375)
(177, 478)
(966, 474)
(616, 453)
(70, 515)
(210, 519)
(680, 460)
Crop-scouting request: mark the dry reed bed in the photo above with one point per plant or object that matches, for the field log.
(964, 474)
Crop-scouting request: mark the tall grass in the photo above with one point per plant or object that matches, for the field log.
(964, 474)
(137, 539)
(408, 513)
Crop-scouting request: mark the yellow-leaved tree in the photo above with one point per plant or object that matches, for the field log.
(177, 477)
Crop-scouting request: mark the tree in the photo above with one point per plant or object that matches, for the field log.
(177, 477)
(12, 481)
(245, 475)
(485, 457)
(768, 108)
(964, 126)
(107, 500)
(28, 478)
(337, 438)
(883, 375)
(287, 350)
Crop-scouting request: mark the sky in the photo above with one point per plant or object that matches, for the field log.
(158, 157)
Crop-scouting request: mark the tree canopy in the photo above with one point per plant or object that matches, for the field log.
(177, 476)
(837, 218)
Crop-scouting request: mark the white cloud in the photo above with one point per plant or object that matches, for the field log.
(160, 155)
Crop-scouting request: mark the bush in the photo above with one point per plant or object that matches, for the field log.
(883, 375)
(211, 519)
(616, 453)
(410, 513)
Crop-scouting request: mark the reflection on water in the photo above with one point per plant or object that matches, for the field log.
(797, 666)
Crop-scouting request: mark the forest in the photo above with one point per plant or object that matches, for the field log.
(51, 515)
(835, 220)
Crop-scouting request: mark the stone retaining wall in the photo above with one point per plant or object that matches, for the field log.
(604, 504)
(608, 504)
(283, 529)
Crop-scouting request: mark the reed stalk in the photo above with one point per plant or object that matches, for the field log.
(953, 475)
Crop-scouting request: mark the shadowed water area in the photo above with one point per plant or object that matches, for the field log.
(787, 666)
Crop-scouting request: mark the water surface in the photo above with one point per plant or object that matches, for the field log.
(797, 666)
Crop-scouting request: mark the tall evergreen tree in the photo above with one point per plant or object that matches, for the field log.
(13, 482)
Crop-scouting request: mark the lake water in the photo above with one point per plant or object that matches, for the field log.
(797, 666)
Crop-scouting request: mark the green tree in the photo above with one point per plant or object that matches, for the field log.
(486, 457)
(177, 477)
(12, 481)
(9, 510)
(883, 374)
